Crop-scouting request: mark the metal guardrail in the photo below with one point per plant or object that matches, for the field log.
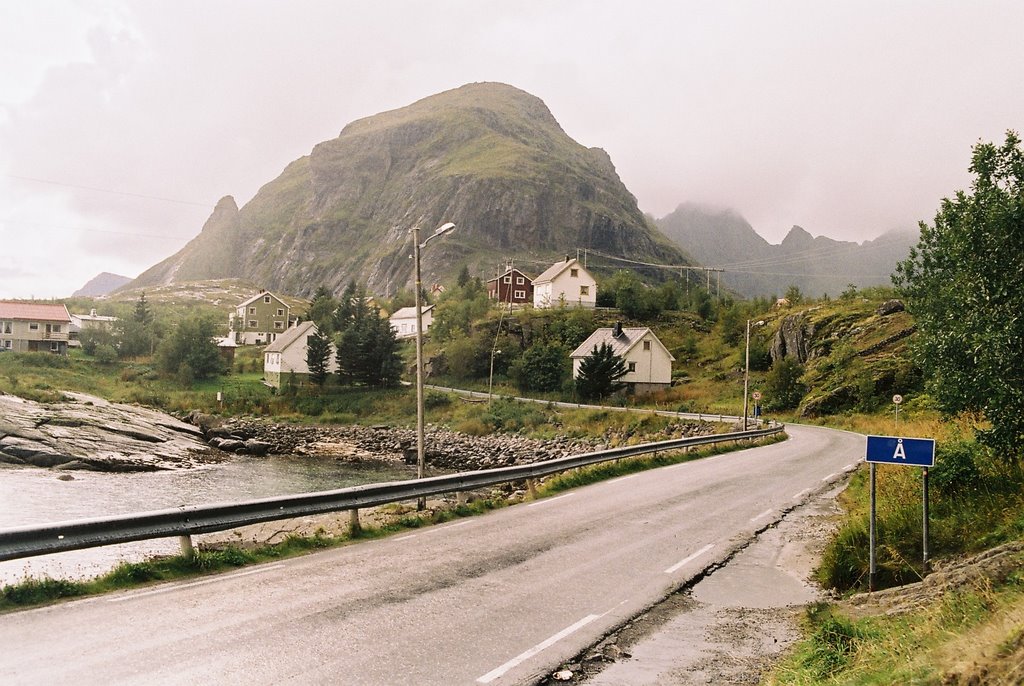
(27, 541)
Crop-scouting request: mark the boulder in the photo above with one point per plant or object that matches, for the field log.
(890, 307)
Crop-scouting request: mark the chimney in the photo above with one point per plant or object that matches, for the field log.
(566, 258)
(617, 329)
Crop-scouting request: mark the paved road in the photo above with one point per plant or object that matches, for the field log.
(497, 599)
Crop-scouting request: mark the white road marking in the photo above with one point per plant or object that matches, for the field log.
(761, 516)
(802, 493)
(848, 468)
(621, 478)
(550, 500)
(691, 558)
(406, 537)
(175, 587)
(523, 657)
(829, 477)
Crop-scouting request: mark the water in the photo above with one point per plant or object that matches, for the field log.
(36, 496)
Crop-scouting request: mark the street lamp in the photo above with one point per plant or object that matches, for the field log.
(420, 452)
(746, 372)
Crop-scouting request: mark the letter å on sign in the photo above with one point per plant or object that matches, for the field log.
(913, 452)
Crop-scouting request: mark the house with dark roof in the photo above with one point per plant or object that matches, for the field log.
(648, 361)
(34, 327)
(565, 283)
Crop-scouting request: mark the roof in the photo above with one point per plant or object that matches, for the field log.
(260, 295)
(621, 344)
(509, 271)
(409, 312)
(557, 268)
(34, 312)
(291, 335)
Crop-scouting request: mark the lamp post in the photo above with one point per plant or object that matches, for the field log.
(420, 452)
(746, 372)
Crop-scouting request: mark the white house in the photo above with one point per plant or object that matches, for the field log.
(648, 361)
(403, 321)
(565, 283)
(287, 355)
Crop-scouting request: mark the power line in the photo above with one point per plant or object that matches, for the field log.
(107, 190)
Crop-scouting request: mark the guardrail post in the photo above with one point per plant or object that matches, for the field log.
(531, 486)
(187, 550)
(354, 527)
(462, 497)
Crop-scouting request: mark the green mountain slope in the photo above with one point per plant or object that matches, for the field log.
(487, 156)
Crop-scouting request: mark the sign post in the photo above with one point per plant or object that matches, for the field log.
(896, 400)
(912, 452)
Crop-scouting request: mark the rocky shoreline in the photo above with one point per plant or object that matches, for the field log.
(444, 449)
(87, 432)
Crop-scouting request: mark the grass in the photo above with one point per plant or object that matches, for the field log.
(971, 631)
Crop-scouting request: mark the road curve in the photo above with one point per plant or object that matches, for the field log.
(497, 599)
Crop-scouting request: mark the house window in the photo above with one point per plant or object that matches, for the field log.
(584, 290)
(279, 326)
(253, 323)
(56, 328)
(280, 312)
(631, 367)
(33, 326)
(7, 344)
(54, 347)
(507, 279)
(266, 299)
(252, 310)
(520, 280)
(520, 294)
(574, 273)
(647, 346)
(6, 327)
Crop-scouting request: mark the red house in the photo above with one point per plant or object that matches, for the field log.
(512, 287)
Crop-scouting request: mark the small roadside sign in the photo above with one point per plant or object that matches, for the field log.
(756, 395)
(897, 399)
(913, 452)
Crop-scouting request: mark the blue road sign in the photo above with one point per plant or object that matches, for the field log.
(915, 452)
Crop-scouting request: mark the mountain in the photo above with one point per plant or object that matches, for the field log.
(101, 285)
(753, 267)
(487, 156)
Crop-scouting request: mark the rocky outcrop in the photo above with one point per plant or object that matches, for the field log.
(86, 432)
(890, 307)
(444, 449)
(793, 339)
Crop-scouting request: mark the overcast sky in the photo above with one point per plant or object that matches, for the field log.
(123, 123)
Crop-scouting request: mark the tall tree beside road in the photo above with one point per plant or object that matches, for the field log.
(318, 357)
(963, 285)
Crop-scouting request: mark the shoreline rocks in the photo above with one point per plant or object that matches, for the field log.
(87, 432)
(444, 448)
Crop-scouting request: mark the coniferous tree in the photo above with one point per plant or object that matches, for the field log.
(600, 372)
(318, 356)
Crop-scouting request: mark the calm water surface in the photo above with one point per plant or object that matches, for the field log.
(37, 496)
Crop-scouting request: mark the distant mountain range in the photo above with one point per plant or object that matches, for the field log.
(487, 156)
(101, 285)
(753, 267)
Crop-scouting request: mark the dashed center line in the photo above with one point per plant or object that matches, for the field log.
(168, 589)
(691, 558)
(523, 657)
(550, 500)
(761, 516)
